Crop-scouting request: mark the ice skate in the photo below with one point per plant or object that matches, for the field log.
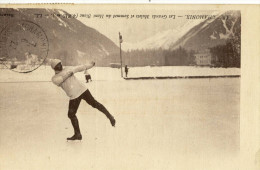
(75, 137)
(112, 121)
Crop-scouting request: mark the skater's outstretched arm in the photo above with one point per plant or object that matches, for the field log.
(58, 79)
(83, 67)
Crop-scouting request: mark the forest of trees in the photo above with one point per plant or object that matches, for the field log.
(159, 57)
(227, 55)
(144, 57)
(179, 57)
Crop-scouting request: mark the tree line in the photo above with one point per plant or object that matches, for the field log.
(226, 55)
(159, 57)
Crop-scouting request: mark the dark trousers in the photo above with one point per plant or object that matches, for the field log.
(74, 105)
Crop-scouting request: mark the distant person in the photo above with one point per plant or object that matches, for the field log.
(64, 78)
(126, 70)
(87, 76)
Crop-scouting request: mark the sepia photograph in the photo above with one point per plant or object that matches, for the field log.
(120, 87)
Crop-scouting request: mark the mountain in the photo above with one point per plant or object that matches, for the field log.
(211, 32)
(69, 39)
(162, 39)
(195, 34)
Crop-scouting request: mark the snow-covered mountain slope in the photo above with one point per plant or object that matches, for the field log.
(208, 32)
(211, 32)
(69, 39)
(163, 39)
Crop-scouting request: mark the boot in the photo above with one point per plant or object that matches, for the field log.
(112, 121)
(108, 115)
(102, 108)
(77, 135)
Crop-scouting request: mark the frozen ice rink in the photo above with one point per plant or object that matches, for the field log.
(161, 124)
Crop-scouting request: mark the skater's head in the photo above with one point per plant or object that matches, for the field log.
(56, 65)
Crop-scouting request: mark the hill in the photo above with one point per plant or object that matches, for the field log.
(69, 39)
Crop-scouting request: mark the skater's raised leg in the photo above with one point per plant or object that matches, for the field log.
(95, 104)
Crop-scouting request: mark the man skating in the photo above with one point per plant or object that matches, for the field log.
(64, 78)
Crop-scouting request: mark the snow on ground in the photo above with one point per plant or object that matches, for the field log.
(161, 124)
(181, 71)
(44, 73)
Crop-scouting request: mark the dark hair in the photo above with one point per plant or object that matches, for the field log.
(57, 66)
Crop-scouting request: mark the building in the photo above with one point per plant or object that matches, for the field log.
(203, 58)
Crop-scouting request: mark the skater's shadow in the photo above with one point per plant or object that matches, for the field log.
(74, 146)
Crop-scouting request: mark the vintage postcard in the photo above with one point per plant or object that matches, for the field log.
(122, 87)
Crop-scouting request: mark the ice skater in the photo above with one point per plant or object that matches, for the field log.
(87, 76)
(75, 90)
(126, 70)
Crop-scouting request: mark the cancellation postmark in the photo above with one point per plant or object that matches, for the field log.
(24, 46)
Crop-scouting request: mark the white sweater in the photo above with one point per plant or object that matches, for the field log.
(70, 84)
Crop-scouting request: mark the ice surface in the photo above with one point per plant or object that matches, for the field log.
(44, 73)
(161, 124)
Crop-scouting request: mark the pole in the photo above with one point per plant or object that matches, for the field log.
(120, 55)
(121, 61)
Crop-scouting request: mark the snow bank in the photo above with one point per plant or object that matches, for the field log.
(44, 73)
(181, 71)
